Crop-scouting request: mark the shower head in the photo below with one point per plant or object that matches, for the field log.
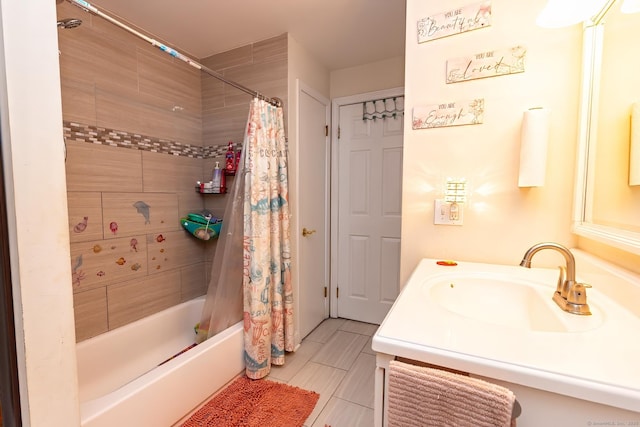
(69, 23)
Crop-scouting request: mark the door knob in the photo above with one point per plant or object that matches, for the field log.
(306, 232)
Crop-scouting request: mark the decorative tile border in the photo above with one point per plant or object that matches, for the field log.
(117, 138)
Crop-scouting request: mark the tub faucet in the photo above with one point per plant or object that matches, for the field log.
(570, 295)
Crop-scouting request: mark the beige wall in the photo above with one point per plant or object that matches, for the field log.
(115, 80)
(380, 75)
(128, 110)
(136, 145)
(501, 220)
(34, 180)
(260, 66)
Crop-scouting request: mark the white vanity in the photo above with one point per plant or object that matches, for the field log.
(499, 323)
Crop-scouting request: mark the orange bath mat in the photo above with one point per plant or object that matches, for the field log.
(259, 403)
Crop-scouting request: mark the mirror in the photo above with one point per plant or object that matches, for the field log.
(607, 206)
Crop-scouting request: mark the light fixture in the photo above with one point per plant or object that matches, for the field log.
(564, 13)
(630, 6)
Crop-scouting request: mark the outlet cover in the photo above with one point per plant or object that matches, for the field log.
(444, 215)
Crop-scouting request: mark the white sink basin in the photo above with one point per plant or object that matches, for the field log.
(504, 300)
(500, 321)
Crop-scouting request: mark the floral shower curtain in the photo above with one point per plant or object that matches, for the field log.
(268, 296)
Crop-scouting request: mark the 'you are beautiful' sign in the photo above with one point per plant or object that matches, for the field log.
(456, 21)
(459, 113)
(486, 64)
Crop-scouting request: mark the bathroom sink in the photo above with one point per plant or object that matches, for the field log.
(505, 300)
(501, 322)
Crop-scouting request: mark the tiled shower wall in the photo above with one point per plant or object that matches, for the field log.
(133, 123)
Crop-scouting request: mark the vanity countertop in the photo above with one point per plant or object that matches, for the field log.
(598, 363)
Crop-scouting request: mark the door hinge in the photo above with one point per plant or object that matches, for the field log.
(325, 291)
(337, 292)
(326, 130)
(338, 132)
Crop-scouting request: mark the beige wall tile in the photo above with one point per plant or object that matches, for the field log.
(190, 202)
(96, 57)
(114, 80)
(164, 173)
(101, 26)
(85, 216)
(78, 102)
(193, 282)
(232, 58)
(93, 167)
(138, 213)
(119, 109)
(223, 125)
(268, 78)
(100, 262)
(187, 128)
(174, 249)
(135, 299)
(212, 92)
(271, 49)
(90, 309)
(177, 83)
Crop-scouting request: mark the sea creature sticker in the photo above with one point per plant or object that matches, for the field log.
(77, 275)
(81, 226)
(134, 245)
(97, 249)
(160, 238)
(143, 209)
(121, 261)
(136, 267)
(113, 227)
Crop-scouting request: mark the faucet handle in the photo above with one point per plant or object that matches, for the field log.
(577, 299)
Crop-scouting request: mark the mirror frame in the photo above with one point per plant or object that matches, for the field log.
(629, 241)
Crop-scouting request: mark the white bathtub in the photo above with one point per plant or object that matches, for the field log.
(121, 384)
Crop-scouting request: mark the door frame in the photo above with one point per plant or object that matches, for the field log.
(301, 87)
(335, 121)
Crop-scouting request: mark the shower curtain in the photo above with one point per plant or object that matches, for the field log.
(268, 295)
(251, 271)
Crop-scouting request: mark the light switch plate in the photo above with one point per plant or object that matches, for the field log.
(442, 213)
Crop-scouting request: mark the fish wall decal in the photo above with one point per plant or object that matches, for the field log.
(143, 209)
(81, 226)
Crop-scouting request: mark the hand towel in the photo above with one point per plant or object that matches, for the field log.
(427, 397)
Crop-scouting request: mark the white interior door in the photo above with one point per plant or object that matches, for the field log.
(313, 220)
(369, 214)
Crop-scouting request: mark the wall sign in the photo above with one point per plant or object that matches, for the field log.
(486, 64)
(456, 21)
(459, 113)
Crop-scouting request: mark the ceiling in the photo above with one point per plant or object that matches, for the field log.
(338, 33)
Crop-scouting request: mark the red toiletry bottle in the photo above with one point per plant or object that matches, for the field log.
(230, 160)
(238, 154)
(223, 182)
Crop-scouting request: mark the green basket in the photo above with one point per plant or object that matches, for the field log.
(199, 228)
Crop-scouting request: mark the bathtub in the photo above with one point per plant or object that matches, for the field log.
(123, 380)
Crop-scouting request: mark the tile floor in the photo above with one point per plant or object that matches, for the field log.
(336, 361)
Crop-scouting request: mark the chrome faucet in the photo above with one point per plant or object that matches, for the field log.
(570, 295)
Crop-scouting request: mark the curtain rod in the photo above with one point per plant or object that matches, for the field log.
(90, 8)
